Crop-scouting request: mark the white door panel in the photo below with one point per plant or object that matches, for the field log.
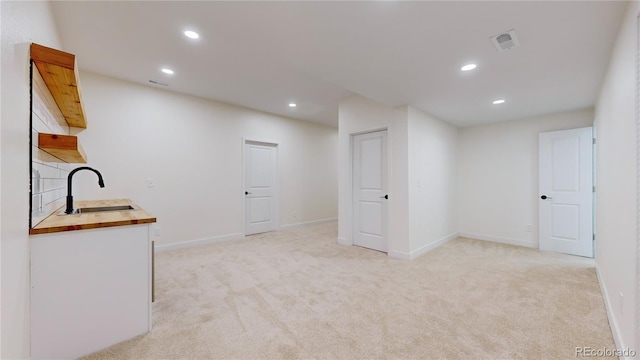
(370, 157)
(260, 209)
(369, 190)
(370, 210)
(260, 169)
(566, 191)
(565, 160)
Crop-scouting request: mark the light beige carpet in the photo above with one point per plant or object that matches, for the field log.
(297, 294)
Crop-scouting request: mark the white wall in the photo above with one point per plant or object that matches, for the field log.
(616, 196)
(432, 181)
(22, 23)
(358, 114)
(498, 176)
(422, 149)
(192, 148)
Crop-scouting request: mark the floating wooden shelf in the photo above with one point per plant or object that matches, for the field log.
(60, 73)
(64, 147)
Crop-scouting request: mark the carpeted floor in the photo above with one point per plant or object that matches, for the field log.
(297, 294)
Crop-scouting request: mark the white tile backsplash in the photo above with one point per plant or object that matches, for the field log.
(43, 123)
(48, 174)
(48, 188)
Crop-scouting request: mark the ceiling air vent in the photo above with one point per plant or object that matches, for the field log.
(158, 83)
(505, 41)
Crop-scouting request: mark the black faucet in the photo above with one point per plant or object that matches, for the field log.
(69, 209)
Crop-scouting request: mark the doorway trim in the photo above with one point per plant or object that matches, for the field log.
(349, 189)
(377, 241)
(578, 195)
(266, 142)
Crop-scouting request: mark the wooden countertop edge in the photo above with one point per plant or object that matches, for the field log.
(49, 230)
(55, 223)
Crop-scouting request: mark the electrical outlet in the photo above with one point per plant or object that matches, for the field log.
(295, 215)
(528, 228)
(151, 182)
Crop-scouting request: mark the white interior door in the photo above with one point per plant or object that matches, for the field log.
(370, 190)
(566, 191)
(260, 180)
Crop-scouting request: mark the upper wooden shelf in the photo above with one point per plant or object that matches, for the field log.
(60, 72)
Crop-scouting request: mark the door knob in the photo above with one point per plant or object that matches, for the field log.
(545, 197)
(247, 193)
(385, 197)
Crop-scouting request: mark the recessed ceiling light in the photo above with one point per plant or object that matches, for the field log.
(468, 67)
(292, 105)
(499, 101)
(167, 71)
(191, 34)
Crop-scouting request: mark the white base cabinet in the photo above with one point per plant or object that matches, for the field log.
(90, 289)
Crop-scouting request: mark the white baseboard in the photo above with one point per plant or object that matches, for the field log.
(343, 241)
(509, 241)
(399, 255)
(421, 251)
(415, 253)
(186, 244)
(190, 243)
(615, 329)
(308, 223)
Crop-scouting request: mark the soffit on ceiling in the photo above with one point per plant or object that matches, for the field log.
(263, 55)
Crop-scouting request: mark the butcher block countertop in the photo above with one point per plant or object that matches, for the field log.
(58, 223)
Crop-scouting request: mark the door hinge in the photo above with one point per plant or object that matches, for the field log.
(594, 141)
(594, 237)
(594, 189)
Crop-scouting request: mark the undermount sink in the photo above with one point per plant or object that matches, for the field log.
(100, 209)
(104, 208)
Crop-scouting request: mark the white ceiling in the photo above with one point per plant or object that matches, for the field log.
(264, 54)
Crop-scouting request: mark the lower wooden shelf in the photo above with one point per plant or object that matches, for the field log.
(64, 147)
